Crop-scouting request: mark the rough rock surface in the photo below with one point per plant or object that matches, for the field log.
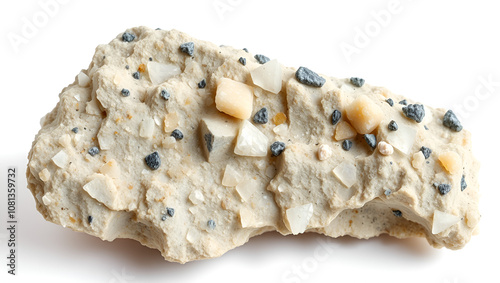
(173, 172)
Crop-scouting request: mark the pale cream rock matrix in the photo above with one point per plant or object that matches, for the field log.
(192, 148)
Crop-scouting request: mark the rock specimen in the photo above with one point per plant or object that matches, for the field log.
(192, 148)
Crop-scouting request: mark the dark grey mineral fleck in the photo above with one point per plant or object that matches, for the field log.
(165, 94)
(75, 130)
(261, 58)
(93, 150)
(463, 184)
(451, 121)
(187, 48)
(153, 160)
(393, 126)
(426, 151)
(308, 77)
(336, 115)
(261, 117)
(211, 224)
(397, 213)
(128, 37)
(403, 102)
(390, 101)
(277, 148)
(170, 211)
(371, 140)
(243, 61)
(415, 112)
(202, 83)
(209, 141)
(444, 189)
(90, 219)
(359, 82)
(346, 145)
(125, 92)
(136, 75)
(177, 134)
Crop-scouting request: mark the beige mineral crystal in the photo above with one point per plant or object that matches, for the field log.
(155, 141)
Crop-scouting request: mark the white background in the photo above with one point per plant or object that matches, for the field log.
(442, 53)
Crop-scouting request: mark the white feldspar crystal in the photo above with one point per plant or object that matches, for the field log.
(247, 218)
(251, 141)
(61, 159)
(103, 189)
(231, 177)
(105, 141)
(147, 127)
(443, 221)
(268, 76)
(247, 188)
(83, 79)
(157, 120)
(196, 197)
(298, 218)
(346, 173)
(160, 72)
(168, 142)
(46, 200)
(65, 140)
(402, 139)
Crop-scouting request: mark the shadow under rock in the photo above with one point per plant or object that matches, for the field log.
(418, 247)
(257, 249)
(255, 253)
